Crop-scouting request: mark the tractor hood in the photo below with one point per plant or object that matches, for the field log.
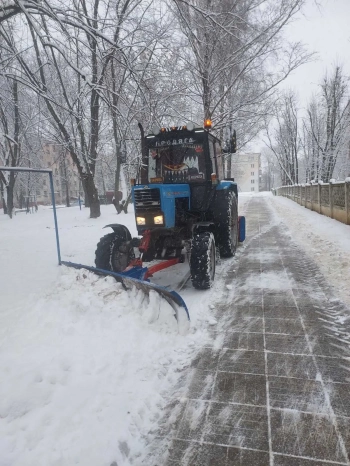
(152, 199)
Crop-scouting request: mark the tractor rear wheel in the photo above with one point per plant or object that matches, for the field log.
(113, 253)
(203, 260)
(226, 216)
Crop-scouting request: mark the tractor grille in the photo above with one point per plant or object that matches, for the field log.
(147, 200)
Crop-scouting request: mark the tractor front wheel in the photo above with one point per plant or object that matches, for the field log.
(203, 260)
(113, 253)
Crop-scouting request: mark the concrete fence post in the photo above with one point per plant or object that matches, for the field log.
(331, 197)
(347, 200)
(311, 196)
(319, 197)
(305, 194)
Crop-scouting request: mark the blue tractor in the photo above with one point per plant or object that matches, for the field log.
(183, 202)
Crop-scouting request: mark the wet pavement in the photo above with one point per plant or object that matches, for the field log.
(273, 387)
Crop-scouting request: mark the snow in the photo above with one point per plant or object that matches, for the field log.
(66, 393)
(326, 240)
(86, 366)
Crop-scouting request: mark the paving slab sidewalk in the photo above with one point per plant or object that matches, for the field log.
(273, 389)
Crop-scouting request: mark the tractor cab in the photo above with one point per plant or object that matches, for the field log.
(182, 167)
(181, 155)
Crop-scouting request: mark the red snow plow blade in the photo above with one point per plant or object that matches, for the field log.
(128, 280)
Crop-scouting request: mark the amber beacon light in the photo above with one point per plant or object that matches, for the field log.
(207, 123)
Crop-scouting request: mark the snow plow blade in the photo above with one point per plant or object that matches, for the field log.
(173, 298)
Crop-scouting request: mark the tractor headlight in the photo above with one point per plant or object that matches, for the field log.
(140, 220)
(158, 220)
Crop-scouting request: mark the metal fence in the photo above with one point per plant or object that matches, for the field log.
(330, 199)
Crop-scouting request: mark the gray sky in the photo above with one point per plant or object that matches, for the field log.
(325, 30)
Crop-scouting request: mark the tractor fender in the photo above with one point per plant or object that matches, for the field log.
(121, 229)
(228, 184)
(241, 229)
(200, 227)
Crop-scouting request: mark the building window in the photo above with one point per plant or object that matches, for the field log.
(252, 189)
(45, 193)
(252, 173)
(251, 165)
(252, 181)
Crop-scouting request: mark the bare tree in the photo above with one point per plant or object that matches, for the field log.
(232, 45)
(10, 147)
(284, 138)
(326, 125)
(70, 78)
(270, 176)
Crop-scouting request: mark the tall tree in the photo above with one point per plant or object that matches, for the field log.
(284, 138)
(327, 123)
(233, 44)
(10, 147)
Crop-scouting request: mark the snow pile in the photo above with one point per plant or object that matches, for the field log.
(85, 372)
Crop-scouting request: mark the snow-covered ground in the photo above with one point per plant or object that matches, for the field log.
(326, 240)
(88, 367)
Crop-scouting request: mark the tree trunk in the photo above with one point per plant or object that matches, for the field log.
(66, 175)
(67, 196)
(117, 171)
(91, 195)
(9, 189)
(127, 202)
(86, 199)
(2, 192)
(206, 96)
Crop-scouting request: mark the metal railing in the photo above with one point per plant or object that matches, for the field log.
(330, 199)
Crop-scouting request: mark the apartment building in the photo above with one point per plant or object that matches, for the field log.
(246, 170)
(65, 176)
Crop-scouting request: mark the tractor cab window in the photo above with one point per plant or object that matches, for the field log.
(180, 163)
(220, 161)
(212, 157)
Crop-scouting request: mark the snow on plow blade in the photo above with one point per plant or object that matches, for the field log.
(173, 298)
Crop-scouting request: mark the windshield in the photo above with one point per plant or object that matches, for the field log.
(181, 163)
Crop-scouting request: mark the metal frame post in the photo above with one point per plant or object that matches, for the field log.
(55, 218)
(49, 172)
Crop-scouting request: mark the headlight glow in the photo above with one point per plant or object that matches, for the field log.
(141, 220)
(158, 220)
